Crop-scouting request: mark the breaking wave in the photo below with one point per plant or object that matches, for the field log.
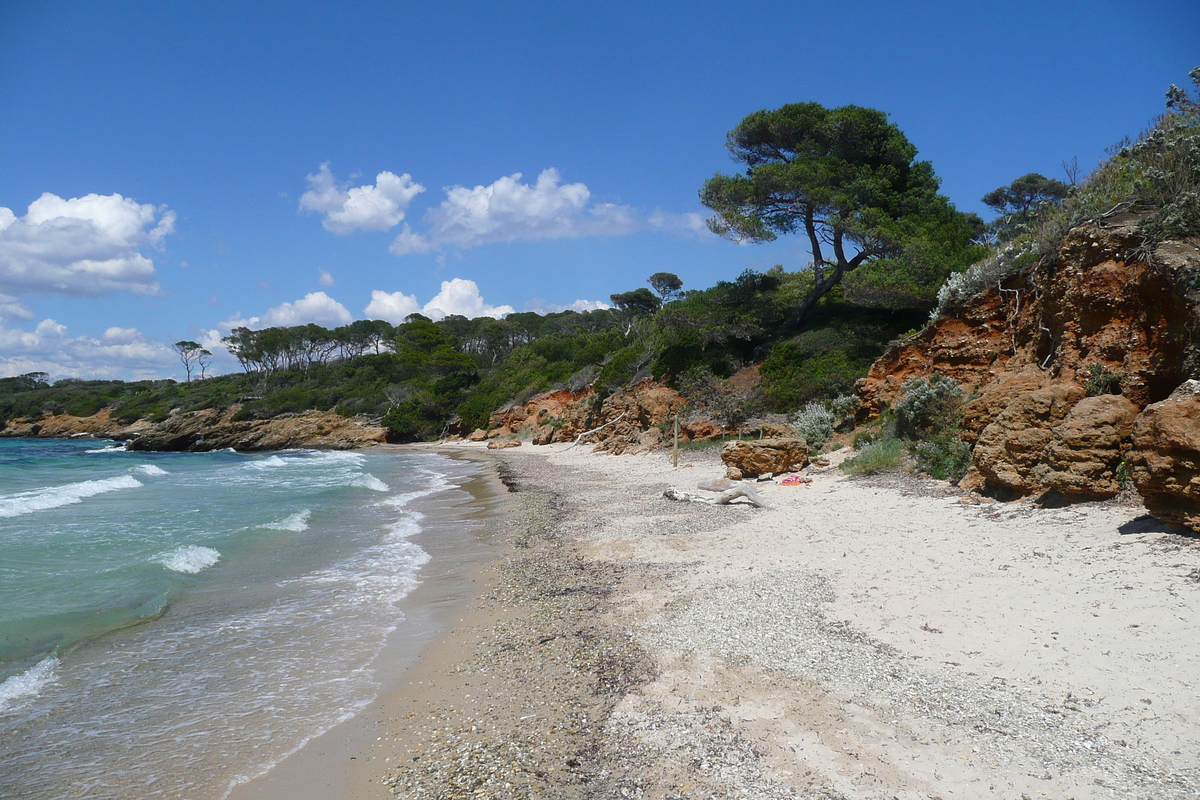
(14, 505)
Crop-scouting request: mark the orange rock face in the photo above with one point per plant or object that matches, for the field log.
(632, 417)
(1024, 350)
(1093, 305)
(1165, 456)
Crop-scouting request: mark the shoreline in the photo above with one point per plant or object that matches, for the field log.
(864, 639)
(326, 766)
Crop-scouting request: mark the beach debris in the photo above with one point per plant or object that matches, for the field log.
(795, 480)
(734, 492)
(579, 438)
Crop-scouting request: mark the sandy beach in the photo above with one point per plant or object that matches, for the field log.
(863, 638)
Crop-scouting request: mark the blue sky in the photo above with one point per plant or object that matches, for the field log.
(168, 170)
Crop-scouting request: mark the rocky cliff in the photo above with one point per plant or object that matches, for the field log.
(633, 419)
(1073, 367)
(211, 429)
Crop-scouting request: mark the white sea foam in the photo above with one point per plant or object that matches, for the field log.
(14, 505)
(369, 481)
(295, 522)
(28, 683)
(150, 469)
(407, 525)
(269, 462)
(112, 448)
(191, 559)
(437, 483)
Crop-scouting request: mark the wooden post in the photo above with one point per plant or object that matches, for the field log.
(675, 458)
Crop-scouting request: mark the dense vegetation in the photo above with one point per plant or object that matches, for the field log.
(882, 239)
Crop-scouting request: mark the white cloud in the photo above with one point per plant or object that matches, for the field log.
(11, 307)
(377, 207)
(87, 246)
(119, 353)
(457, 296)
(325, 279)
(508, 210)
(393, 307)
(315, 307)
(538, 307)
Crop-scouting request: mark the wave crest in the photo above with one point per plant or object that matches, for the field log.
(191, 559)
(14, 505)
(293, 522)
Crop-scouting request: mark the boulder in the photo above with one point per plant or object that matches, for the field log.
(1164, 458)
(478, 435)
(1013, 444)
(1082, 458)
(543, 435)
(501, 444)
(749, 459)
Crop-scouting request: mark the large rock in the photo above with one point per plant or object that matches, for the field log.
(1086, 449)
(1165, 457)
(749, 459)
(1013, 445)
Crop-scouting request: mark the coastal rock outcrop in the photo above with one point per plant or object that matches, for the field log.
(1164, 458)
(1105, 315)
(211, 429)
(219, 429)
(749, 459)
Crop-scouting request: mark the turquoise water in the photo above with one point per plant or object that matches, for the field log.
(172, 623)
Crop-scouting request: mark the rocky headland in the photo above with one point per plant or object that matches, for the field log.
(210, 429)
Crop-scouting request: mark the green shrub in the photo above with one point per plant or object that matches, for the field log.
(1101, 380)
(815, 423)
(947, 459)
(929, 407)
(881, 454)
(819, 364)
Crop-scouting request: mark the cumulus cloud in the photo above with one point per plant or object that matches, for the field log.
(315, 307)
(83, 246)
(508, 210)
(391, 306)
(377, 207)
(49, 347)
(457, 296)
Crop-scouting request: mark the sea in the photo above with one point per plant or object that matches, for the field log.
(173, 624)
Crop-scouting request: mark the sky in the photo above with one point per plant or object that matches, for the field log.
(170, 171)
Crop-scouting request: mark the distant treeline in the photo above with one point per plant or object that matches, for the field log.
(420, 375)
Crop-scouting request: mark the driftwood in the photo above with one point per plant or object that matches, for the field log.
(723, 499)
(579, 438)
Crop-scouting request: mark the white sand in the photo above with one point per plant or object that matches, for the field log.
(869, 642)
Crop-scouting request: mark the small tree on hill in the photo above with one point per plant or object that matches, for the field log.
(1023, 196)
(190, 354)
(666, 285)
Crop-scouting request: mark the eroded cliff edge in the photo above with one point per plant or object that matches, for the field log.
(1082, 371)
